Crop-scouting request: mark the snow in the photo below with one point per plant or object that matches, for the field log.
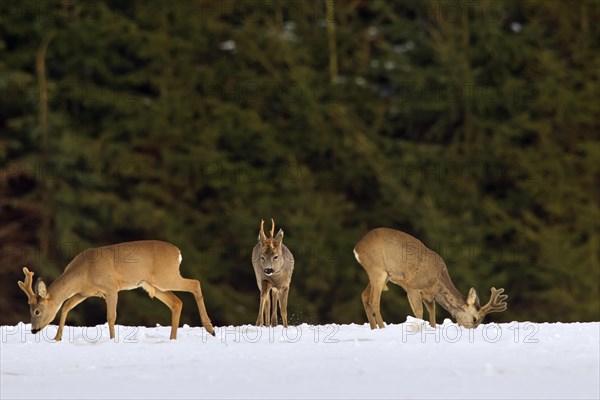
(408, 360)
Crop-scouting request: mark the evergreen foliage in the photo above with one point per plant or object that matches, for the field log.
(472, 125)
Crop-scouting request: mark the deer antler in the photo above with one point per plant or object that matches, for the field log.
(26, 286)
(263, 237)
(497, 302)
(272, 232)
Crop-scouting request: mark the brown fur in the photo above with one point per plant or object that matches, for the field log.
(395, 256)
(103, 272)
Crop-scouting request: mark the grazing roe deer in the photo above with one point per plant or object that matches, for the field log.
(391, 255)
(103, 272)
(273, 266)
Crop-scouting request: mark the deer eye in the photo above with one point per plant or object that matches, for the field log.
(262, 258)
(275, 258)
(37, 313)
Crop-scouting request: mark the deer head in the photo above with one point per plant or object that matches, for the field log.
(42, 309)
(472, 314)
(271, 259)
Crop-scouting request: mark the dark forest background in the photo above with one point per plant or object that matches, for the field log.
(472, 125)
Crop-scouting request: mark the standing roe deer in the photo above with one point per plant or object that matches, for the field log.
(391, 255)
(273, 266)
(103, 272)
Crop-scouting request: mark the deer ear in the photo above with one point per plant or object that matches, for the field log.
(40, 289)
(279, 236)
(472, 298)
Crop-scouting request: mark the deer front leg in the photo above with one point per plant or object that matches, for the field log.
(111, 312)
(68, 306)
(283, 298)
(274, 302)
(431, 310)
(267, 309)
(264, 293)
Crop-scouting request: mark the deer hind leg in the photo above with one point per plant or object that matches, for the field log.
(365, 296)
(431, 310)
(175, 305)
(377, 286)
(283, 298)
(68, 306)
(274, 302)
(111, 312)
(192, 286)
(416, 302)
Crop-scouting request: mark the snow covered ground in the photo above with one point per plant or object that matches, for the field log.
(409, 360)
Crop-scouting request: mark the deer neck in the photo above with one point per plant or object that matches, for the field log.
(64, 287)
(446, 294)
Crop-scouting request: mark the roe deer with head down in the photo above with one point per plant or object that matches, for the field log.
(391, 255)
(273, 266)
(103, 272)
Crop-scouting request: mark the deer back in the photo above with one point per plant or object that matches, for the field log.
(406, 260)
(124, 265)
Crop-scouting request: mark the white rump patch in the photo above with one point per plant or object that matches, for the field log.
(180, 258)
(356, 255)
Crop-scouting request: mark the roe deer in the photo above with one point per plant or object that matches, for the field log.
(391, 255)
(273, 266)
(103, 272)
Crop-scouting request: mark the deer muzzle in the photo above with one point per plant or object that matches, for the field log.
(268, 271)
